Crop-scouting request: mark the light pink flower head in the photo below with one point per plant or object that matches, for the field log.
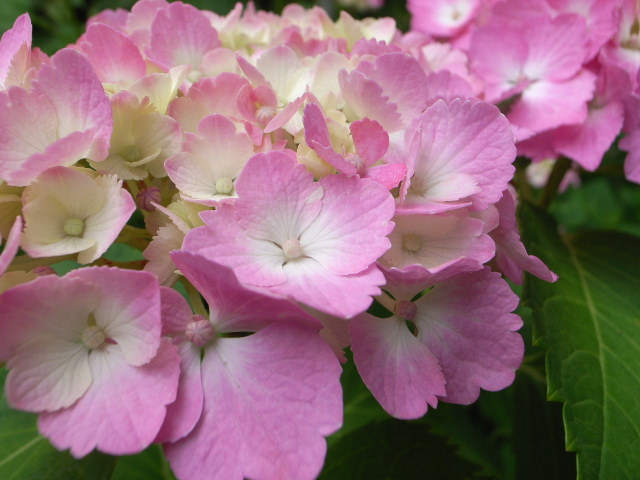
(84, 351)
(315, 242)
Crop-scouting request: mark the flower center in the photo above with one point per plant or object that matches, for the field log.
(92, 337)
(73, 227)
(412, 243)
(406, 310)
(200, 331)
(224, 186)
(131, 153)
(292, 248)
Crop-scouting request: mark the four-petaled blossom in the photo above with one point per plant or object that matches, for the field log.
(314, 242)
(84, 351)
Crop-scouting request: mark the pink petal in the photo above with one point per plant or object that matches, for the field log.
(257, 262)
(233, 307)
(124, 408)
(316, 135)
(47, 374)
(348, 240)
(11, 246)
(545, 105)
(342, 296)
(115, 58)
(402, 79)
(278, 199)
(14, 40)
(78, 98)
(389, 176)
(370, 140)
(475, 340)
(184, 413)
(128, 311)
(467, 150)
(181, 35)
(49, 306)
(264, 414)
(587, 143)
(365, 98)
(556, 47)
(400, 371)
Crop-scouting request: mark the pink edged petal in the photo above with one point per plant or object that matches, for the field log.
(402, 79)
(183, 414)
(114, 57)
(265, 414)
(475, 340)
(47, 307)
(348, 240)
(181, 35)
(447, 85)
(389, 176)
(370, 140)
(545, 105)
(124, 408)
(441, 17)
(278, 198)
(511, 256)
(233, 307)
(47, 374)
(13, 41)
(128, 311)
(105, 226)
(28, 125)
(365, 98)
(343, 296)
(435, 240)
(557, 47)
(10, 247)
(217, 153)
(176, 312)
(167, 238)
(405, 283)
(316, 135)
(209, 95)
(466, 151)
(79, 99)
(257, 262)
(587, 143)
(498, 55)
(401, 372)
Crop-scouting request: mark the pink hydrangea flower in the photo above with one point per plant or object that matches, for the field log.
(84, 351)
(259, 387)
(69, 210)
(315, 242)
(454, 340)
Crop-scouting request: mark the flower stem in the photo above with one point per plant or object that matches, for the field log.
(550, 191)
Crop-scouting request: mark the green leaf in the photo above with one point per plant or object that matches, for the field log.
(26, 455)
(391, 450)
(590, 323)
(360, 408)
(148, 465)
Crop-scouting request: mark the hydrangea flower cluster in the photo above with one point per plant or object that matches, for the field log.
(564, 72)
(289, 170)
